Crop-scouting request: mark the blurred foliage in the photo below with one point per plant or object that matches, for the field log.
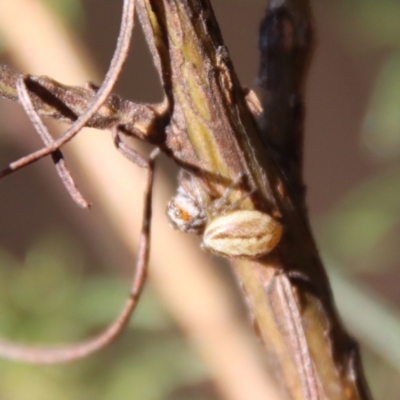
(370, 25)
(70, 11)
(373, 26)
(48, 299)
(361, 233)
(376, 324)
(350, 299)
(381, 128)
(363, 229)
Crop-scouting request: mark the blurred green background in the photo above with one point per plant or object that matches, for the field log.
(49, 262)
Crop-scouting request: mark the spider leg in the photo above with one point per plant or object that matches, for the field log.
(221, 203)
(131, 154)
(63, 354)
(236, 203)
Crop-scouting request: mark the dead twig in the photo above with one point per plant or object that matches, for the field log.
(57, 156)
(42, 355)
(63, 354)
(63, 103)
(104, 91)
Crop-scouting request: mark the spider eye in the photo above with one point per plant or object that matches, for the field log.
(185, 214)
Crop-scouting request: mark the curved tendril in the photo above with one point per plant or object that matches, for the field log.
(41, 129)
(63, 354)
(117, 61)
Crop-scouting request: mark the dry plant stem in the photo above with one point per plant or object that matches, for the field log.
(105, 89)
(213, 135)
(62, 354)
(52, 99)
(286, 42)
(57, 156)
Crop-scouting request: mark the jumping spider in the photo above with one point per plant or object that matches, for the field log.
(227, 230)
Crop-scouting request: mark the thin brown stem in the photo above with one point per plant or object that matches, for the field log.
(57, 156)
(105, 89)
(64, 103)
(63, 354)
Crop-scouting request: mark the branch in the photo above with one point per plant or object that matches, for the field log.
(214, 136)
(286, 43)
(64, 103)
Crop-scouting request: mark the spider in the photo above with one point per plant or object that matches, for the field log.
(226, 229)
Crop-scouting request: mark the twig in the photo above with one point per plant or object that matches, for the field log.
(63, 354)
(286, 43)
(52, 99)
(57, 156)
(105, 89)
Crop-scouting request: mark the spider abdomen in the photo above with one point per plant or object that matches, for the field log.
(242, 233)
